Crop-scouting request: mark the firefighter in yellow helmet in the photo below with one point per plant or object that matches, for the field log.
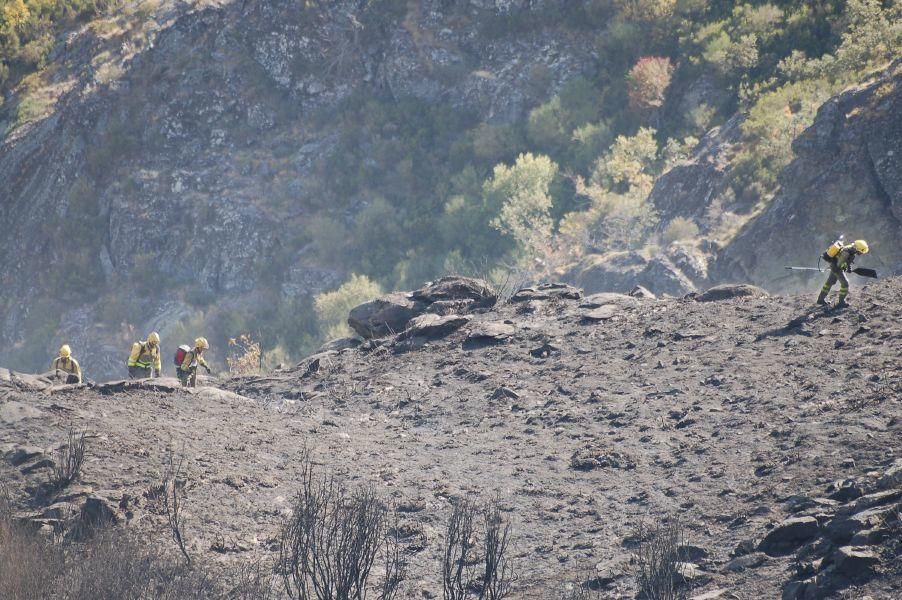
(187, 371)
(144, 360)
(840, 257)
(68, 365)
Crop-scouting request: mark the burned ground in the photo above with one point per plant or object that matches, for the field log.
(585, 416)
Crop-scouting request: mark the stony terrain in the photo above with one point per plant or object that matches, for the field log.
(186, 180)
(181, 153)
(769, 428)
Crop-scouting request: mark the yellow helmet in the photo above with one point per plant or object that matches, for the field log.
(65, 351)
(153, 338)
(861, 246)
(201, 342)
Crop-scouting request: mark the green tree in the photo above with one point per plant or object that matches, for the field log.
(648, 81)
(630, 163)
(332, 308)
(525, 215)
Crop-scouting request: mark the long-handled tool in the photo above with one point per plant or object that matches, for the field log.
(862, 271)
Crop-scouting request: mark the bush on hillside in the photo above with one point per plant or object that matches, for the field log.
(680, 229)
(523, 192)
(648, 81)
(332, 308)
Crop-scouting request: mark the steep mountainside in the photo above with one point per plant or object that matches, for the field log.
(846, 179)
(183, 187)
(210, 167)
(585, 415)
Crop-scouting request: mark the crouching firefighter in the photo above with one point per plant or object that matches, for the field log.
(68, 365)
(840, 257)
(144, 360)
(189, 359)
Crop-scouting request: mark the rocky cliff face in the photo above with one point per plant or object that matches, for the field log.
(181, 183)
(845, 180)
(176, 176)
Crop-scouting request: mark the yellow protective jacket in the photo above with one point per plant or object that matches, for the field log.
(190, 359)
(845, 257)
(69, 365)
(145, 356)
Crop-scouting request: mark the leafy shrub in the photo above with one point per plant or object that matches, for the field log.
(246, 356)
(648, 81)
(629, 164)
(731, 55)
(774, 121)
(523, 192)
(332, 308)
(551, 125)
(680, 229)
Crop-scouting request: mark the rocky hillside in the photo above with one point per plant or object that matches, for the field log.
(210, 167)
(844, 180)
(768, 429)
(180, 181)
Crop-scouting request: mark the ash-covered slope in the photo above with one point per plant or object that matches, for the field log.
(586, 416)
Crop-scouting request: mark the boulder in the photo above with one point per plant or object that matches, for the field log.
(491, 332)
(623, 271)
(841, 529)
(747, 561)
(844, 490)
(608, 298)
(313, 363)
(452, 307)
(602, 313)
(853, 561)
(729, 291)
(36, 383)
(599, 457)
(14, 412)
(547, 291)
(690, 574)
(339, 344)
(870, 537)
(789, 534)
(98, 511)
(692, 553)
(432, 327)
(871, 501)
(168, 385)
(801, 590)
(19, 455)
(385, 316)
(449, 289)
(642, 293)
(504, 393)
(892, 477)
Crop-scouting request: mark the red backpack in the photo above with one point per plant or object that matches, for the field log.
(180, 354)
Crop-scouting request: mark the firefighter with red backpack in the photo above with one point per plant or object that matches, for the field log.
(144, 360)
(187, 360)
